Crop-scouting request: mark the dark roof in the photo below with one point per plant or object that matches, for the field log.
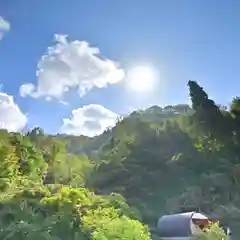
(175, 225)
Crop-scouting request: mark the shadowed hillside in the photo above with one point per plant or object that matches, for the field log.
(165, 160)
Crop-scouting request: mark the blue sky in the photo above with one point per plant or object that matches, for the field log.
(188, 39)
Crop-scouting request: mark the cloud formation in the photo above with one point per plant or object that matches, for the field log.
(90, 120)
(11, 117)
(70, 64)
(4, 27)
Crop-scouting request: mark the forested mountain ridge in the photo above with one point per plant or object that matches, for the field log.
(188, 160)
(154, 114)
(161, 160)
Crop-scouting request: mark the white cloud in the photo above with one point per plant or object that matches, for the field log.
(26, 89)
(4, 27)
(70, 64)
(90, 120)
(11, 117)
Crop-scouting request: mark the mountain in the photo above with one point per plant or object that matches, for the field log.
(91, 146)
(166, 160)
(155, 161)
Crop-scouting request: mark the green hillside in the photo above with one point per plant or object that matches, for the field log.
(42, 194)
(168, 161)
(116, 185)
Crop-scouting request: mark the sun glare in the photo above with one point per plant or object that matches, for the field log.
(141, 78)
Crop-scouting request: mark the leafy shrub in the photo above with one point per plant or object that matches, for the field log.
(212, 232)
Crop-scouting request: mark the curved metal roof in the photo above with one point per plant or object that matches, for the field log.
(175, 225)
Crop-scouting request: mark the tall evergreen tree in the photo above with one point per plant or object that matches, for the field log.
(207, 114)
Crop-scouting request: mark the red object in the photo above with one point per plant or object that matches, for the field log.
(214, 220)
(204, 222)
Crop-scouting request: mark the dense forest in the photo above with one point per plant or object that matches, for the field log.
(116, 185)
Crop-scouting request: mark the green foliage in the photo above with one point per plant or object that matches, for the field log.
(71, 169)
(166, 159)
(122, 228)
(212, 232)
(68, 214)
(8, 167)
(38, 199)
(154, 161)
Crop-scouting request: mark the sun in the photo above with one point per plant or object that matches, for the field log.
(141, 78)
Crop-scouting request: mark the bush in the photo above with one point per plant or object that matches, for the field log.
(212, 232)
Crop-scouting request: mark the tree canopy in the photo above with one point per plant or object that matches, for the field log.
(115, 186)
